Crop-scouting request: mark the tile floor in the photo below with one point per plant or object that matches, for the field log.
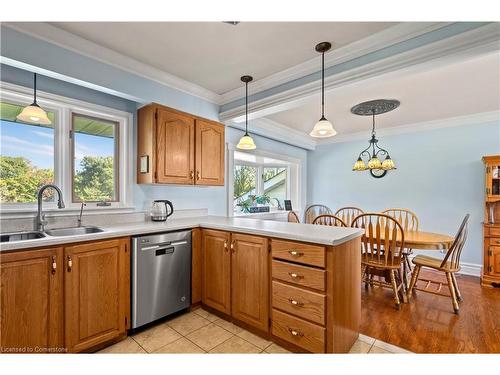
(201, 332)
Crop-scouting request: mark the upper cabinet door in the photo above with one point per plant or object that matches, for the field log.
(97, 292)
(209, 153)
(31, 305)
(174, 148)
(250, 280)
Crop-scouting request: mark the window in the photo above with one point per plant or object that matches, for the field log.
(95, 159)
(26, 156)
(262, 181)
(86, 151)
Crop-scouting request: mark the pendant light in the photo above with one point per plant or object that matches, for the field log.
(376, 167)
(246, 142)
(323, 128)
(33, 114)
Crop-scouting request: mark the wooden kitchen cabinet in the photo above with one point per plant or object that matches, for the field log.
(216, 290)
(96, 292)
(175, 147)
(250, 280)
(31, 304)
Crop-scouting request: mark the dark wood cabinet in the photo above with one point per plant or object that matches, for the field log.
(31, 304)
(175, 147)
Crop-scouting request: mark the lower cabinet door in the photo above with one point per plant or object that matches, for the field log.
(97, 292)
(216, 289)
(250, 280)
(31, 305)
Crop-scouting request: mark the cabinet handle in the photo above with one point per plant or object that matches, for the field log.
(70, 263)
(54, 264)
(295, 332)
(191, 175)
(497, 241)
(197, 175)
(232, 247)
(295, 275)
(225, 245)
(295, 253)
(295, 302)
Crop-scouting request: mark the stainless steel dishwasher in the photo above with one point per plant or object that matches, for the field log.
(161, 276)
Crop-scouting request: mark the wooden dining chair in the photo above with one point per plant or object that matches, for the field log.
(347, 214)
(330, 220)
(381, 232)
(315, 210)
(449, 265)
(293, 217)
(409, 221)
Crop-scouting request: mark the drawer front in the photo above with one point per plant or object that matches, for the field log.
(299, 275)
(299, 302)
(494, 241)
(494, 231)
(298, 252)
(306, 335)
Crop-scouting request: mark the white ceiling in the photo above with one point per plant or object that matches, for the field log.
(213, 54)
(426, 94)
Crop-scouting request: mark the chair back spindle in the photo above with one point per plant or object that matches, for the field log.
(406, 218)
(315, 210)
(455, 251)
(347, 214)
(330, 220)
(383, 240)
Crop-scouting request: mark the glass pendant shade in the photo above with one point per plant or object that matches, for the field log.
(388, 164)
(33, 114)
(323, 129)
(246, 143)
(359, 165)
(374, 163)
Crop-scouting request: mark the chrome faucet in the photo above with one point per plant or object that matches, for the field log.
(40, 218)
(80, 216)
(280, 208)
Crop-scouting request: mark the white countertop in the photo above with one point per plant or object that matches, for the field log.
(320, 234)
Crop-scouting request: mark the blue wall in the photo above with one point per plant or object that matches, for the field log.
(440, 176)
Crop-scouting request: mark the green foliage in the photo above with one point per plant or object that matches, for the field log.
(244, 180)
(95, 180)
(20, 181)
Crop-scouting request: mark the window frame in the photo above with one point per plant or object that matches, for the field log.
(294, 177)
(63, 108)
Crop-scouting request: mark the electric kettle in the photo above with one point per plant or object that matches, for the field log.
(159, 210)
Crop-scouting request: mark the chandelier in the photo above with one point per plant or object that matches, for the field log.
(370, 157)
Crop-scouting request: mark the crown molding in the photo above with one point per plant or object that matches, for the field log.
(374, 42)
(278, 132)
(484, 39)
(72, 42)
(450, 122)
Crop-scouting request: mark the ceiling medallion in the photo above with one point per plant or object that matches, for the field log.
(377, 168)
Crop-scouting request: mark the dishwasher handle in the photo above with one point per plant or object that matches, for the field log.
(161, 245)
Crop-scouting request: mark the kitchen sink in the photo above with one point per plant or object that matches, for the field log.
(21, 236)
(73, 231)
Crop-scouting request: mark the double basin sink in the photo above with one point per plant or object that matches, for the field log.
(60, 232)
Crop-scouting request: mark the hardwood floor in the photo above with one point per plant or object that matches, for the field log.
(427, 324)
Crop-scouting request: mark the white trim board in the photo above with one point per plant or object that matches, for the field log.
(64, 39)
(465, 45)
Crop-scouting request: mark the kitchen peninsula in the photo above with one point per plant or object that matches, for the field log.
(295, 284)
